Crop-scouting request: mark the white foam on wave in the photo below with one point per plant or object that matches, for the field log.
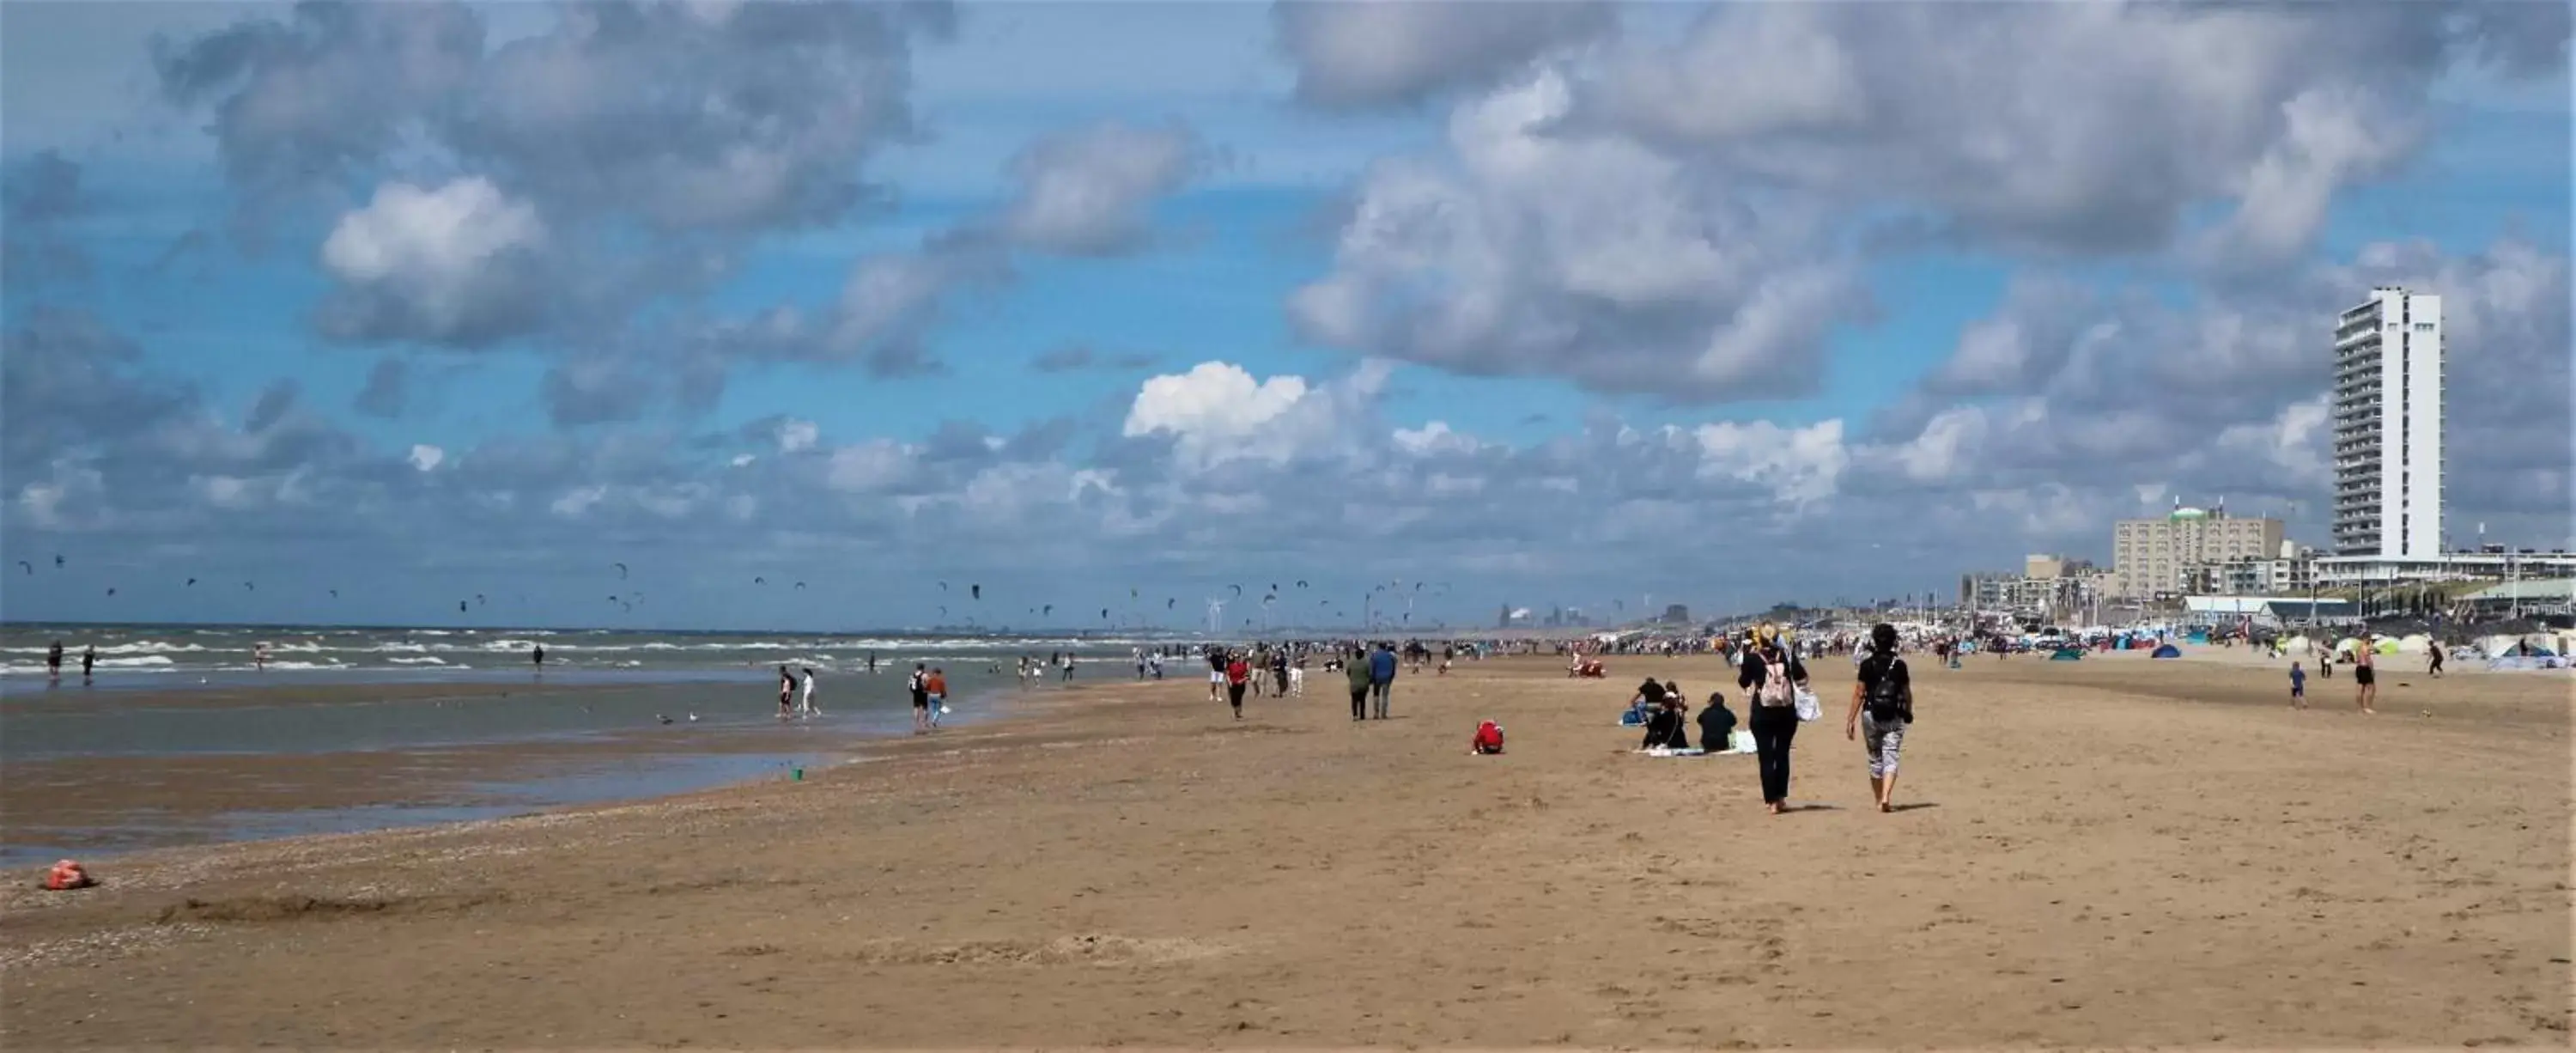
(422, 660)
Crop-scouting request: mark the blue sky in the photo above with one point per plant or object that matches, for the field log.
(1553, 303)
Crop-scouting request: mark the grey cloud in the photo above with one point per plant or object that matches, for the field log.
(1076, 357)
(2087, 128)
(1587, 257)
(387, 389)
(37, 197)
(617, 155)
(1395, 52)
(1086, 192)
(584, 391)
(275, 402)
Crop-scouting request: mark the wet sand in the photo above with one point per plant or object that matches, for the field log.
(2113, 851)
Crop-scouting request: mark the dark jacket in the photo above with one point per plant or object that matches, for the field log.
(1716, 722)
(1666, 728)
(1753, 671)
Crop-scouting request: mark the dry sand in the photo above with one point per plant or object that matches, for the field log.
(2106, 852)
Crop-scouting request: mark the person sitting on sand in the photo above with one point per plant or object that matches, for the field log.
(1716, 723)
(1665, 728)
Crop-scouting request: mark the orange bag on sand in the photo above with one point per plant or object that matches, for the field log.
(66, 876)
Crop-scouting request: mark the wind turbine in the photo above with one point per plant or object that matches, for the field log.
(1216, 616)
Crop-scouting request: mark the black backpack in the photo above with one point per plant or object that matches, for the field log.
(1891, 697)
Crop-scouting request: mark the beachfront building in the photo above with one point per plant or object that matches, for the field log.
(2291, 572)
(2388, 427)
(2264, 612)
(2164, 557)
(2050, 588)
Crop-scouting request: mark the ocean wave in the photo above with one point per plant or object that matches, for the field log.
(137, 647)
(421, 660)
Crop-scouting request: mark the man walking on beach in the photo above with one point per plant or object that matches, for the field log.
(2365, 675)
(1381, 677)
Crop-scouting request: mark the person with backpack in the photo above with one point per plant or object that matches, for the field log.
(1882, 708)
(1355, 666)
(1773, 675)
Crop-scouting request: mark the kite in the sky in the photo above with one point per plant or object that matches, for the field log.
(29, 567)
(1238, 589)
(192, 583)
(58, 561)
(479, 600)
(1049, 609)
(976, 590)
(943, 586)
(1301, 583)
(249, 587)
(1104, 614)
(758, 580)
(335, 594)
(621, 570)
(1167, 604)
(800, 584)
(111, 590)
(460, 606)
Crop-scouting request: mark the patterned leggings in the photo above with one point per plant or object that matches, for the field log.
(1884, 740)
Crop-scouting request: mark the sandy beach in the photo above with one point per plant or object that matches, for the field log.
(2113, 851)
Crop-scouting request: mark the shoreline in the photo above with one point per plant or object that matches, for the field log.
(102, 807)
(1137, 869)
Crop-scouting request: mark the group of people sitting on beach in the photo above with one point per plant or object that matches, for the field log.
(1778, 699)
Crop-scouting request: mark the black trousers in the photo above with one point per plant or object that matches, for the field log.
(1773, 727)
(1359, 703)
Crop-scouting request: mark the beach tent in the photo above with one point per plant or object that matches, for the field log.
(2299, 644)
(2497, 646)
(2198, 636)
(2344, 648)
(2066, 654)
(2385, 647)
(2167, 651)
(2416, 644)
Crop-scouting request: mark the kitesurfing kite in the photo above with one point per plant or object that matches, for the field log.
(621, 570)
(1301, 583)
(111, 591)
(335, 594)
(800, 584)
(1238, 589)
(1049, 609)
(460, 606)
(943, 586)
(1167, 604)
(976, 590)
(758, 580)
(29, 567)
(247, 586)
(192, 583)
(1104, 614)
(58, 561)
(479, 600)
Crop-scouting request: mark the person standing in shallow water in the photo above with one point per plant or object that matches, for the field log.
(1772, 675)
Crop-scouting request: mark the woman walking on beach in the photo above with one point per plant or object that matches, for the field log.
(1882, 707)
(1238, 674)
(1355, 667)
(1773, 675)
